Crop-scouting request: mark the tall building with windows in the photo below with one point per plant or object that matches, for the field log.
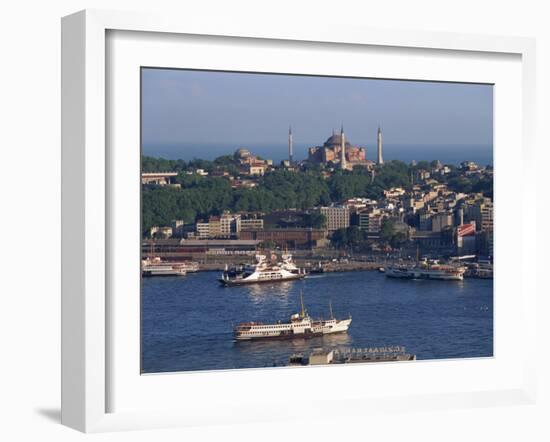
(224, 226)
(337, 217)
(370, 221)
(480, 211)
(441, 220)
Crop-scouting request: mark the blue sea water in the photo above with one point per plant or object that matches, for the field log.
(187, 322)
(447, 154)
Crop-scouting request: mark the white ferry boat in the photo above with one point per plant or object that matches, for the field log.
(157, 267)
(190, 266)
(300, 326)
(398, 272)
(263, 271)
(427, 271)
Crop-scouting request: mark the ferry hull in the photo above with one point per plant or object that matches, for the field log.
(318, 329)
(286, 336)
(150, 274)
(398, 274)
(424, 274)
(439, 277)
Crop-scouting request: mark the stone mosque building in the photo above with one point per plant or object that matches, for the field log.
(337, 151)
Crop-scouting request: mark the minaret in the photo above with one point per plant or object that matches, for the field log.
(379, 138)
(290, 146)
(343, 149)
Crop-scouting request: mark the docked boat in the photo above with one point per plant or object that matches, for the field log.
(427, 271)
(317, 269)
(398, 272)
(440, 272)
(299, 326)
(263, 271)
(157, 267)
(190, 266)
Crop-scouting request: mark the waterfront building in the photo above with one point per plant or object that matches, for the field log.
(181, 249)
(224, 226)
(304, 238)
(380, 160)
(433, 242)
(370, 221)
(337, 217)
(466, 239)
(229, 224)
(251, 224)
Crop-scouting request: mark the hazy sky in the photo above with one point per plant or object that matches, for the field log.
(198, 107)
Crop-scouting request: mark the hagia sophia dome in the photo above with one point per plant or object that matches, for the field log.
(331, 152)
(335, 140)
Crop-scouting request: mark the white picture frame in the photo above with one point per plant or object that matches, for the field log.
(87, 355)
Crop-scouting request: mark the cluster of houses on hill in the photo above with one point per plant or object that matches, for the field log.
(429, 214)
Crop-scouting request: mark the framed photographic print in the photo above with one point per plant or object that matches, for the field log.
(254, 212)
(279, 252)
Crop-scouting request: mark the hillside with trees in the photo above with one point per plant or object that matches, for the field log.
(202, 196)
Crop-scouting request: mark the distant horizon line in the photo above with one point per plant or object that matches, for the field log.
(284, 143)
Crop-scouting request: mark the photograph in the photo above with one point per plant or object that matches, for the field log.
(300, 220)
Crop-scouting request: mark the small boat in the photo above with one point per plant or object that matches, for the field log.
(317, 269)
(157, 267)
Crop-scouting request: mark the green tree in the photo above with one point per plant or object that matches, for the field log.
(387, 231)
